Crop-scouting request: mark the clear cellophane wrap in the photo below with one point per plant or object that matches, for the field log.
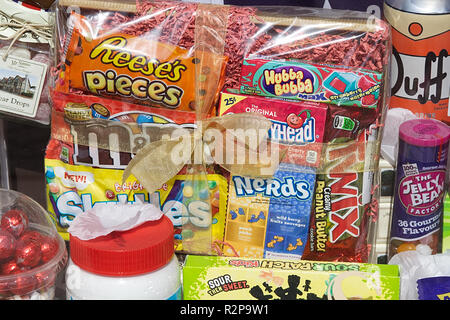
(107, 50)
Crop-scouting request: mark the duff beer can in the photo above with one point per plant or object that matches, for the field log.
(420, 67)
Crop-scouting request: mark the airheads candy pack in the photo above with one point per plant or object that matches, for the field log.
(144, 71)
(311, 82)
(226, 278)
(297, 126)
(269, 217)
(86, 156)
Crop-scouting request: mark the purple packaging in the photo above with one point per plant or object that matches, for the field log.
(419, 186)
(434, 288)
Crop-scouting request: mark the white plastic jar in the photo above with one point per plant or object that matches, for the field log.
(138, 264)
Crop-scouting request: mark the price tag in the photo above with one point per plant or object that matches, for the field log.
(21, 83)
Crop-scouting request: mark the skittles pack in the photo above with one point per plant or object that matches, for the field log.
(92, 141)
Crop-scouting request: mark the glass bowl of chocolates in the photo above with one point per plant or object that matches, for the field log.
(32, 253)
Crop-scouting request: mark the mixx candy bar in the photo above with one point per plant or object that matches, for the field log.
(297, 126)
(340, 219)
(312, 82)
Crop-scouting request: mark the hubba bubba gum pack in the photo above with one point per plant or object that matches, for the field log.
(232, 278)
(311, 82)
(270, 217)
(92, 141)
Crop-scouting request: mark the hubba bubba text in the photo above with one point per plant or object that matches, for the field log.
(272, 288)
(288, 82)
(112, 51)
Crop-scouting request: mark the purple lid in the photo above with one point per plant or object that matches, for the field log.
(424, 132)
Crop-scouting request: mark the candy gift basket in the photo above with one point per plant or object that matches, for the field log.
(134, 82)
(243, 140)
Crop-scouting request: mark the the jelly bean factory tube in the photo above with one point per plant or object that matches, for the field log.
(419, 185)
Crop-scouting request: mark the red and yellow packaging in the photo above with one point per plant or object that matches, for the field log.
(139, 69)
(92, 141)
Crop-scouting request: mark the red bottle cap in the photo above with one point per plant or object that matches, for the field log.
(141, 250)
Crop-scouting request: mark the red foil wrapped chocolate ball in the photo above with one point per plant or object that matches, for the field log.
(49, 248)
(28, 253)
(15, 222)
(7, 245)
(9, 267)
(31, 235)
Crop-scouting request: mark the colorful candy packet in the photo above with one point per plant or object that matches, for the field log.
(237, 278)
(311, 82)
(343, 37)
(138, 69)
(269, 218)
(298, 127)
(280, 33)
(344, 210)
(92, 141)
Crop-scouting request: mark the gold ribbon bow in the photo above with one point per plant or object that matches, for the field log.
(236, 142)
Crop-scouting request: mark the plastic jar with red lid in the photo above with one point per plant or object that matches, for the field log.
(137, 264)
